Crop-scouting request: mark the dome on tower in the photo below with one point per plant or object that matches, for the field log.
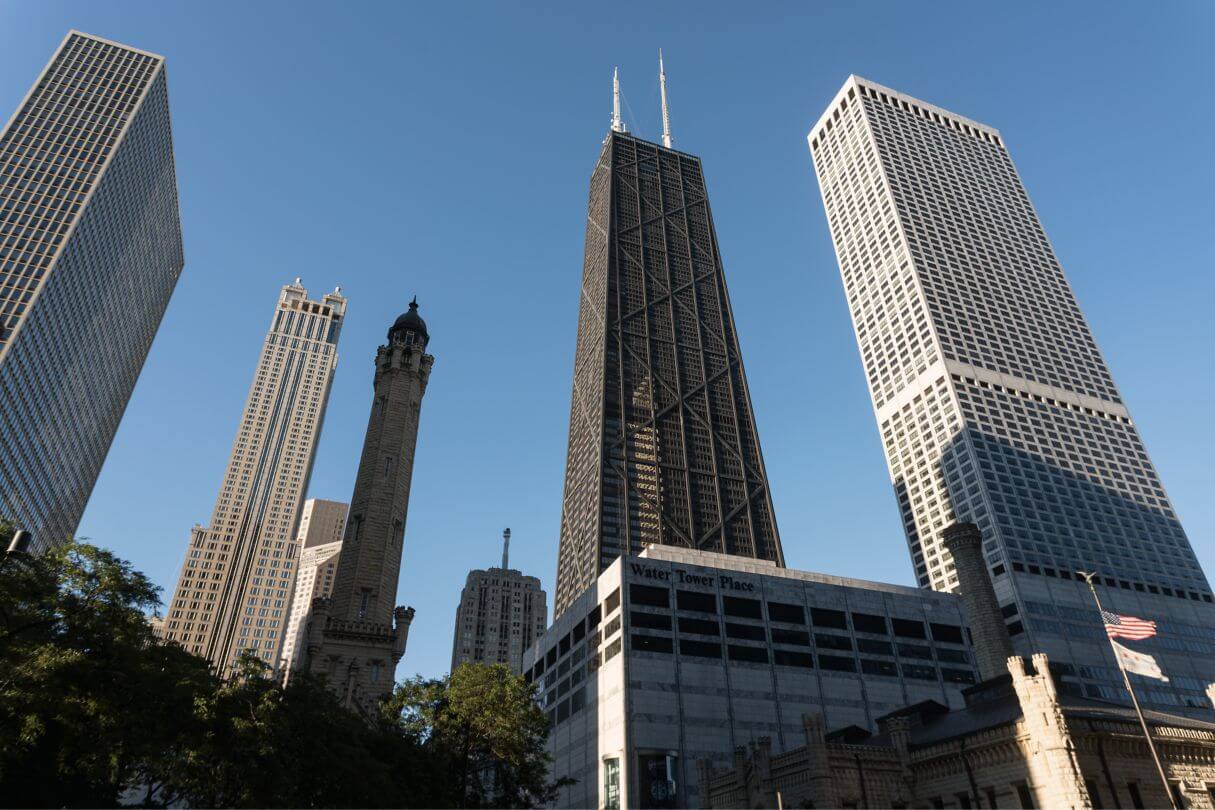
(411, 321)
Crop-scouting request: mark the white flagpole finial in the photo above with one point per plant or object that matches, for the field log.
(617, 124)
(666, 115)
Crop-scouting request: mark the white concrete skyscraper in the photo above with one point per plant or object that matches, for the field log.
(239, 570)
(318, 546)
(90, 251)
(993, 402)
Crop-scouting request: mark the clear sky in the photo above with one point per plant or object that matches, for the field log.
(445, 150)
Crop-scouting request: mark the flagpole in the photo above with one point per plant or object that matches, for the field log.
(1168, 791)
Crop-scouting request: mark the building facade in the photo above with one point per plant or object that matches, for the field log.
(501, 613)
(356, 637)
(317, 547)
(993, 401)
(239, 571)
(1019, 742)
(90, 251)
(663, 447)
(677, 656)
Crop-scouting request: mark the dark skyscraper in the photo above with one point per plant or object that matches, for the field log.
(357, 636)
(662, 443)
(90, 250)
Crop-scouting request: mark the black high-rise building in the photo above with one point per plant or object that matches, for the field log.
(662, 445)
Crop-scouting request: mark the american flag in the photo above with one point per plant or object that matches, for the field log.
(1127, 626)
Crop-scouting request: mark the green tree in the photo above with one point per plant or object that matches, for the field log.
(96, 710)
(78, 662)
(481, 729)
(268, 746)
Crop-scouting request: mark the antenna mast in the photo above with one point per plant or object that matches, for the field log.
(666, 115)
(506, 548)
(617, 124)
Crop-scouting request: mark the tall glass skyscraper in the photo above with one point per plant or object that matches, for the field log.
(993, 402)
(236, 582)
(662, 442)
(90, 250)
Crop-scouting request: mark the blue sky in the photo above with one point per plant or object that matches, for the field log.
(445, 150)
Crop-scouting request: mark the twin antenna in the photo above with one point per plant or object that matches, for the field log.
(618, 124)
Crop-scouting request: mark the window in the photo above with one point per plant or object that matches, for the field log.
(592, 618)
(788, 658)
(700, 649)
(790, 614)
(908, 628)
(611, 784)
(919, 672)
(946, 632)
(953, 656)
(702, 627)
(872, 647)
(957, 675)
(915, 651)
(612, 602)
(651, 644)
(739, 652)
(696, 601)
(610, 651)
(837, 663)
(1027, 799)
(750, 632)
(823, 617)
(868, 623)
(874, 667)
(653, 621)
(827, 641)
(746, 608)
(783, 636)
(650, 596)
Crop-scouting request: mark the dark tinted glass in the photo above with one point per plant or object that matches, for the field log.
(701, 649)
(746, 608)
(748, 631)
(656, 621)
(869, 623)
(781, 612)
(704, 627)
(824, 617)
(908, 628)
(651, 644)
(754, 654)
(649, 595)
(789, 658)
(782, 636)
(695, 600)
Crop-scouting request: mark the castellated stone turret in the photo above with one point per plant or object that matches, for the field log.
(992, 644)
(357, 636)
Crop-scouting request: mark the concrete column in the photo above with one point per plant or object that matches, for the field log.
(993, 647)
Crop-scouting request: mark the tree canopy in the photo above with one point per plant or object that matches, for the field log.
(96, 710)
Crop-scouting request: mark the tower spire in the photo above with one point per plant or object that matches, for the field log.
(666, 115)
(506, 548)
(617, 124)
